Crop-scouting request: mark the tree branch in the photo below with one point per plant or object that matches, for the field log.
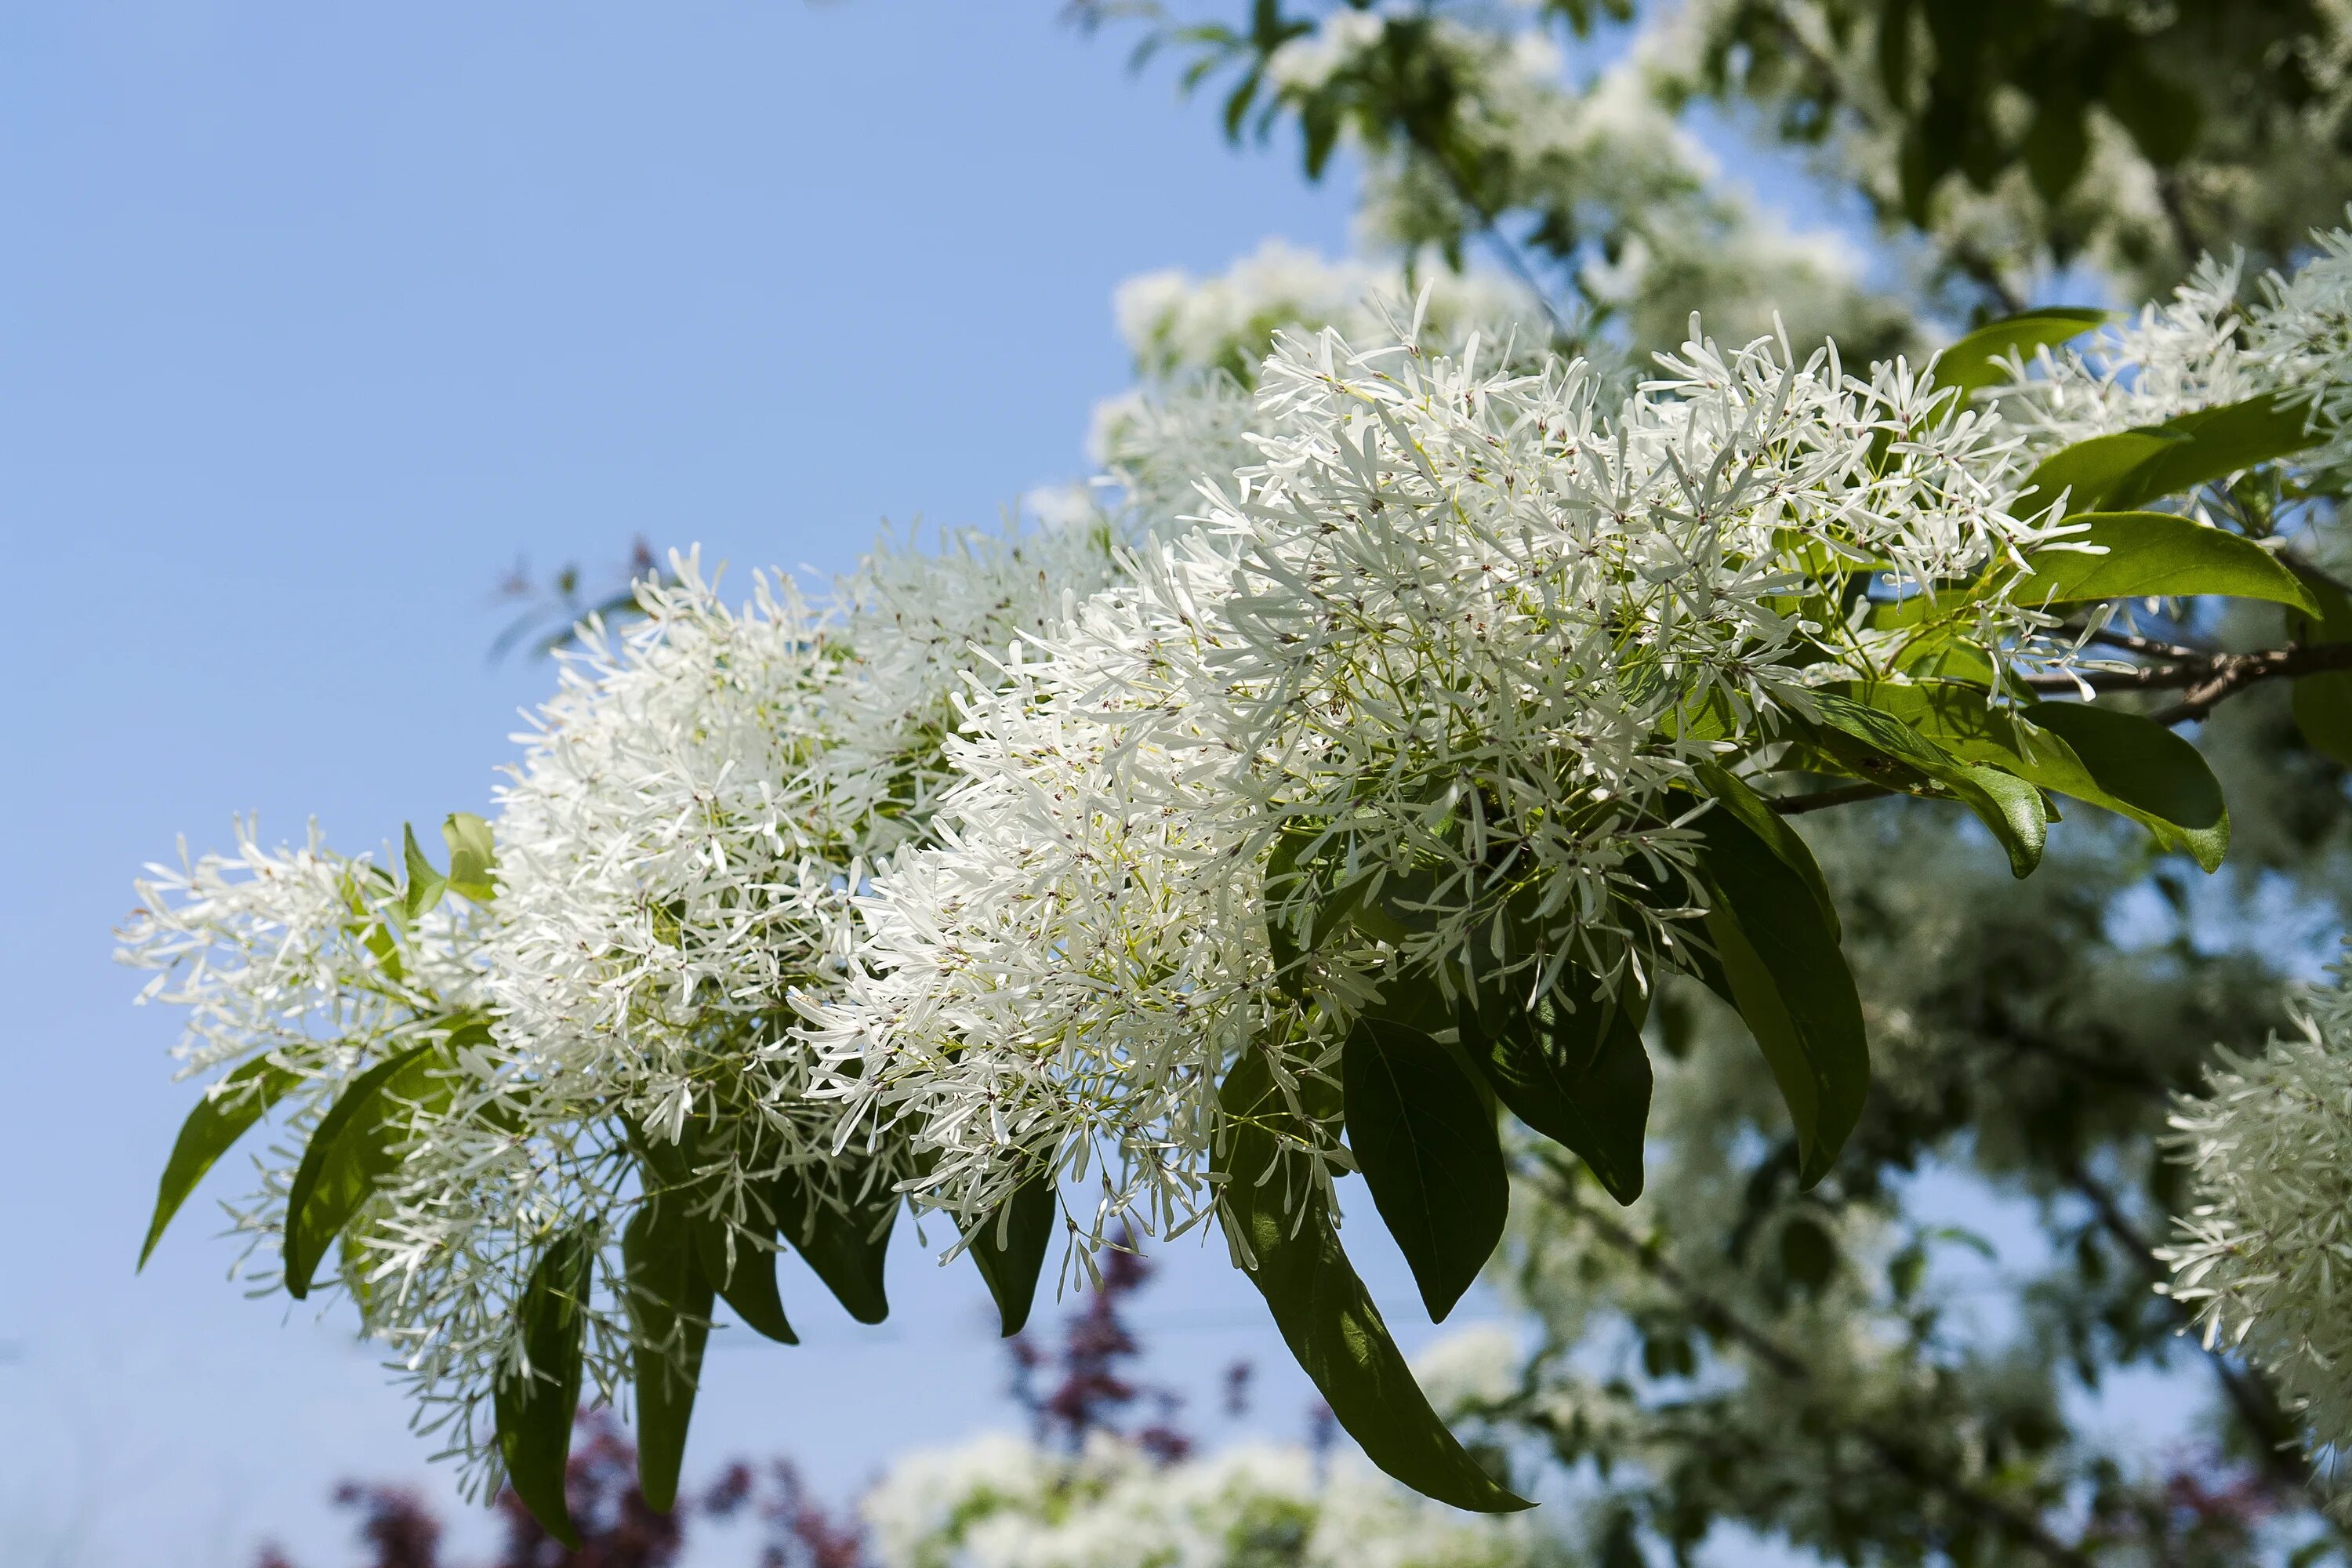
(2207, 678)
(1919, 1469)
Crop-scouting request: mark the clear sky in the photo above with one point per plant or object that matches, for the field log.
(314, 320)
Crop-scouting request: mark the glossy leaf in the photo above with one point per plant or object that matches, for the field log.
(1574, 1068)
(2088, 471)
(1961, 720)
(846, 1249)
(744, 1278)
(670, 1301)
(1009, 1248)
(1282, 1236)
(2015, 815)
(2153, 773)
(353, 1149)
(1427, 1148)
(1780, 835)
(1779, 966)
(1978, 359)
(2214, 444)
(219, 1119)
(534, 1405)
(2153, 555)
(2132, 467)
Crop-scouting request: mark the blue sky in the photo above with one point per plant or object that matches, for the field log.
(314, 320)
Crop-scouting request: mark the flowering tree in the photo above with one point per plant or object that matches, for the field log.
(1417, 720)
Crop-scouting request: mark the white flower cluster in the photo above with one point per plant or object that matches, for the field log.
(1452, 628)
(1001, 1502)
(983, 869)
(2265, 1258)
(2207, 346)
(1174, 321)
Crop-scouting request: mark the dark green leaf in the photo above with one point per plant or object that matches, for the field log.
(669, 1301)
(847, 1250)
(2013, 812)
(1009, 1248)
(2153, 555)
(1426, 1146)
(2149, 769)
(1282, 1227)
(1574, 1068)
(219, 1119)
(1962, 721)
(1781, 969)
(473, 857)
(745, 1278)
(534, 1405)
(1778, 834)
(355, 1147)
(1979, 358)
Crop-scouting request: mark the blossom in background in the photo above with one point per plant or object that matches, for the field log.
(2264, 1256)
(1004, 1502)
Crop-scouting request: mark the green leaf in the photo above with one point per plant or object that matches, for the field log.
(534, 1405)
(354, 1148)
(1778, 834)
(745, 1281)
(846, 1249)
(1783, 970)
(219, 1119)
(1574, 1068)
(2087, 471)
(2152, 773)
(2131, 468)
(1281, 1228)
(473, 857)
(1009, 1248)
(669, 1301)
(2015, 814)
(1979, 358)
(426, 885)
(1426, 1145)
(1961, 720)
(2214, 444)
(2153, 555)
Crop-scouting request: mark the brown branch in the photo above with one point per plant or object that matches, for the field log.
(1919, 1469)
(2207, 678)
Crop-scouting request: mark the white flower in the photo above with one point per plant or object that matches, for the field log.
(1444, 627)
(2264, 1257)
(1471, 1370)
(999, 1502)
